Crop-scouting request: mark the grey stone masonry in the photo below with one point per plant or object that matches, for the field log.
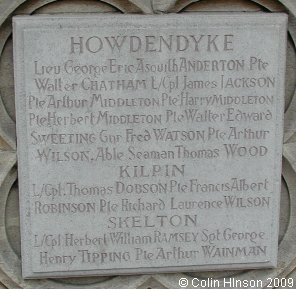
(149, 144)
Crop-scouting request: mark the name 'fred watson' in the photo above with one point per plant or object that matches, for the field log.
(152, 43)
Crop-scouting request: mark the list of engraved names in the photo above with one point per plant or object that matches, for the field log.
(150, 145)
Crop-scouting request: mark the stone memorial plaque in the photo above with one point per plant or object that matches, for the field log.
(149, 143)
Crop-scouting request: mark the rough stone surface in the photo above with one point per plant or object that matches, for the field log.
(10, 268)
(149, 144)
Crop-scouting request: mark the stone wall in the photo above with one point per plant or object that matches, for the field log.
(10, 263)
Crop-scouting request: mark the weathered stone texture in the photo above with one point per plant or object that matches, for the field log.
(10, 274)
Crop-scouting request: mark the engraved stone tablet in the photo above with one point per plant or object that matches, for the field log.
(149, 143)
